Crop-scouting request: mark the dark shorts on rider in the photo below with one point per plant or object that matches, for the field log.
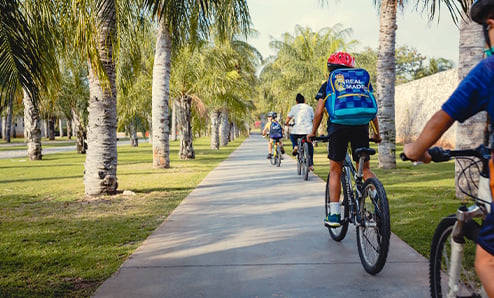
(340, 135)
(486, 235)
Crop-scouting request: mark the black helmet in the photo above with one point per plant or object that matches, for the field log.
(274, 115)
(479, 10)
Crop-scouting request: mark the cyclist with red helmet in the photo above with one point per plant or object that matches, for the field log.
(339, 136)
(475, 93)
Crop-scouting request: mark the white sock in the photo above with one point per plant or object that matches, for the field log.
(334, 207)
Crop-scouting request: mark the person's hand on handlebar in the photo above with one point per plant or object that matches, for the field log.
(310, 136)
(376, 138)
(413, 153)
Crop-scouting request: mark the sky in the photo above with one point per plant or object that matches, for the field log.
(272, 18)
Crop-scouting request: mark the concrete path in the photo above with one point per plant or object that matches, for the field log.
(251, 229)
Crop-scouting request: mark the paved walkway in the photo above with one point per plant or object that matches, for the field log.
(251, 229)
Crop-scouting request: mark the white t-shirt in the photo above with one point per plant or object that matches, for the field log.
(302, 114)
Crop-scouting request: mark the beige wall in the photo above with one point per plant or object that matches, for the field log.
(417, 101)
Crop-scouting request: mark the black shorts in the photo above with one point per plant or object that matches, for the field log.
(340, 135)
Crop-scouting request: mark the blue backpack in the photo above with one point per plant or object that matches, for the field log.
(275, 130)
(349, 100)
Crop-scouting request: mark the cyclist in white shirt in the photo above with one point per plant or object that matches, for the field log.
(302, 114)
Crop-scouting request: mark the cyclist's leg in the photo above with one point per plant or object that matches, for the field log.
(484, 258)
(335, 169)
(336, 153)
(484, 266)
(270, 147)
(294, 140)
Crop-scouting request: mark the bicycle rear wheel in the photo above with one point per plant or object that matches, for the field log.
(374, 230)
(440, 262)
(278, 156)
(338, 234)
(299, 157)
(305, 158)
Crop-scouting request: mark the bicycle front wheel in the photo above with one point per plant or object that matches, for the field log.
(468, 284)
(338, 234)
(374, 230)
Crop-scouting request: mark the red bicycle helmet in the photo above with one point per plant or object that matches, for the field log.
(341, 58)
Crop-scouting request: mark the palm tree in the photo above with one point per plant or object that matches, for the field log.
(386, 75)
(95, 23)
(227, 82)
(26, 61)
(300, 64)
(186, 84)
(180, 21)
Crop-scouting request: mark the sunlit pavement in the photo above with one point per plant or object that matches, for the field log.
(251, 229)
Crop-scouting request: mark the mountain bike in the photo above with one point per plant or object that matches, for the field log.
(452, 255)
(303, 158)
(364, 204)
(276, 157)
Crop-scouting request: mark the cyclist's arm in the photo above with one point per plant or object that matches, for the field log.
(433, 130)
(375, 127)
(287, 122)
(317, 118)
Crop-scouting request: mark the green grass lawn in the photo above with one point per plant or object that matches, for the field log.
(419, 196)
(55, 242)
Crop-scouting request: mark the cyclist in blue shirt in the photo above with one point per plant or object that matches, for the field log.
(475, 93)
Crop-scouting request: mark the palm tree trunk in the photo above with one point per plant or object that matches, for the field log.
(51, 128)
(150, 123)
(100, 174)
(174, 121)
(224, 128)
(32, 126)
(215, 130)
(79, 133)
(184, 119)
(8, 124)
(69, 129)
(470, 133)
(134, 141)
(160, 97)
(386, 75)
(60, 126)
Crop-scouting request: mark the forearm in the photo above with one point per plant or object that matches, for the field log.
(433, 130)
(317, 117)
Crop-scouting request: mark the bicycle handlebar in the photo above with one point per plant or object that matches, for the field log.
(324, 138)
(439, 154)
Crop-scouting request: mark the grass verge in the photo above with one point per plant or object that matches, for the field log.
(55, 242)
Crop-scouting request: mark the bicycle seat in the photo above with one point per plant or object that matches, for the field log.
(365, 151)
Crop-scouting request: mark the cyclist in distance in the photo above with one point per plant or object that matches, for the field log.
(265, 131)
(339, 136)
(303, 115)
(275, 131)
(475, 93)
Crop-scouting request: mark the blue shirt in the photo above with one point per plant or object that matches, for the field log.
(474, 94)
